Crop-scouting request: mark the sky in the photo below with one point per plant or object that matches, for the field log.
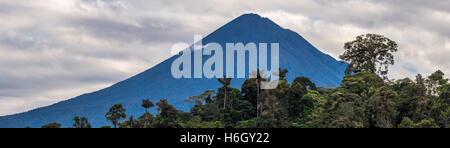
(54, 50)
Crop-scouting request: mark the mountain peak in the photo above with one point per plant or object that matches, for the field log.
(251, 19)
(248, 27)
(250, 16)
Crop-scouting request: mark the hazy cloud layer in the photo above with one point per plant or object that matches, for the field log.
(52, 50)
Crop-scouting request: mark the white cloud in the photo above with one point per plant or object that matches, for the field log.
(51, 50)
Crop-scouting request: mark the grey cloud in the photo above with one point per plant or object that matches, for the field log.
(151, 31)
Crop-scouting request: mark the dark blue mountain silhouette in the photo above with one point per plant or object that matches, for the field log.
(296, 54)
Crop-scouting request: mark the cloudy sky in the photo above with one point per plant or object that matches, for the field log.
(52, 50)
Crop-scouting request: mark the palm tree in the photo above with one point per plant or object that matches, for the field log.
(226, 83)
(146, 103)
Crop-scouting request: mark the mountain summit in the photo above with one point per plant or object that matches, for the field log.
(296, 55)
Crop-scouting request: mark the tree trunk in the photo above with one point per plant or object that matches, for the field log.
(225, 98)
(257, 99)
(146, 118)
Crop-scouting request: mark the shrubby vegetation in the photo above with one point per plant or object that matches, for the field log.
(365, 99)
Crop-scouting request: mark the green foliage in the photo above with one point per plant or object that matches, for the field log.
(427, 123)
(407, 123)
(295, 95)
(381, 108)
(146, 120)
(264, 121)
(444, 93)
(444, 118)
(115, 114)
(362, 83)
(52, 125)
(250, 91)
(81, 122)
(312, 103)
(196, 122)
(131, 122)
(167, 115)
(364, 100)
(409, 93)
(211, 112)
(367, 52)
(306, 82)
(146, 103)
(346, 110)
(204, 97)
(247, 123)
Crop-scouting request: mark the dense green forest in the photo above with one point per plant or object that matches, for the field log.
(366, 98)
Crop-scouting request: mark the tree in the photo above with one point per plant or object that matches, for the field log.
(381, 108)
(311, 103)
(204, 97)
(407, 123)
(431, 104)
(444, 93)
(226, 84)
(409, 92)
(115, 114)
(167, 115)
(283, 73)
(427, 123)
(251, 90)
(130, 123)
(244, 109)
(362, 83)
(281, 93)
(295, 95)
(166, 110)
(346, 110)
(52, 125)
(434, 81)
(444, 118)
(441, 110)
(146, 120)
(81, 122)
(273, 111)
(306, 82)
(367, 52)
(146, 103)
(196, 122)
(211, 112)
